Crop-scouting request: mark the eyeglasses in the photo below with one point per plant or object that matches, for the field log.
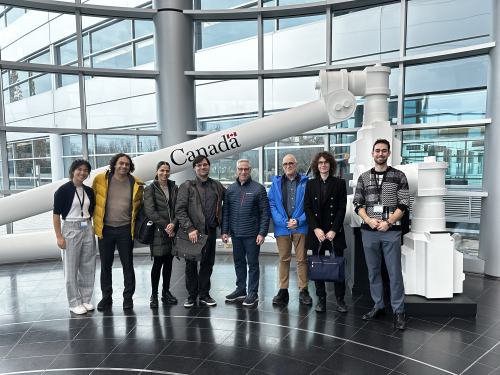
(202, 165)
(323, 163)
(288, 164)
(243, 169)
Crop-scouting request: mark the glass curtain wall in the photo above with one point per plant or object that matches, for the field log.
(446, 90)
(34, 99)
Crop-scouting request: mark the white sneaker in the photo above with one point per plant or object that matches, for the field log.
(88, 306)
(78, 310)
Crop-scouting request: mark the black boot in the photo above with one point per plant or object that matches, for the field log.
(321, 304)
(153, 302)
(341, 306)
(282, 297)
(167, 298)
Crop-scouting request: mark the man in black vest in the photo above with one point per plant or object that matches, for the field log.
(325, 204)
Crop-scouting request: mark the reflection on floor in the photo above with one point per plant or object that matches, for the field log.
(39, 335)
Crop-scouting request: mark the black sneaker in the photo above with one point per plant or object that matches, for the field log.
(168, 298)
(282, 297)
(321, 304)
(128, 303)
(190, 301)
(304, 297)
(153, 301)
(341, 306)
(104, 303)
(400, 321)
(207, 300)
(251, 300)
(374, 313)
(236, 295)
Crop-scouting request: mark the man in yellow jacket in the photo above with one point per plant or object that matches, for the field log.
(118, 197)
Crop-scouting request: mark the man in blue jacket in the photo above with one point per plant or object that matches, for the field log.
(286, 198)
(246, 214)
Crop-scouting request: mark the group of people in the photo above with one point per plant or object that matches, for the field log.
(308, 214)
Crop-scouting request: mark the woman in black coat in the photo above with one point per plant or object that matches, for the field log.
(159, 203)
(325, 201)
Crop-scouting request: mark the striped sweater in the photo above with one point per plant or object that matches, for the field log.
(394, 194)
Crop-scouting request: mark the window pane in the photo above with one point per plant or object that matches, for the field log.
(119, 102)
(120, 58)
(464, 158)
(113, 144)
(41, 59)
(40, 84)
(13, 14)
(215, 125)
(299, 41)
(72, 145)
(226, 98)
(41, 148)
(366, 34)
(147, 143)
(23, 150)
(446, 91)
(226, 45)
(111, 35)
(66, 53)
(144, 52)
(437, 25)
(218, 4)
(209, 34)
(142, 28)
(33, 31)
(285, 93)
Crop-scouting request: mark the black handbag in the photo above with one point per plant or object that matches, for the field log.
(184, 248)
(326, 268)
(144, 230)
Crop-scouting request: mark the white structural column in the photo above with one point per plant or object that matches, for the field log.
(490, 206)
(175, 92)
(56, 160)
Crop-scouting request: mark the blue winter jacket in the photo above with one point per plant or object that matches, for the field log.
(246, 210)
(278, 212)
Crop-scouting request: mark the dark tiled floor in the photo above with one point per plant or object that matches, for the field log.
(38, 334)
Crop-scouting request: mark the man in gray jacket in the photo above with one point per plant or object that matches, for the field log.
(199, 210)
(246, 215)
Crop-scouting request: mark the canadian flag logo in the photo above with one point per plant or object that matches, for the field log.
(230, 135)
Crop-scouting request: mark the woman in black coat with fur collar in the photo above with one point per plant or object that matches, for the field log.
(159, 202)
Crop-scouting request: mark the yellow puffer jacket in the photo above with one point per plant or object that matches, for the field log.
(100, 187)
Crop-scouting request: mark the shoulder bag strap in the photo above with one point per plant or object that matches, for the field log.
(202, 208)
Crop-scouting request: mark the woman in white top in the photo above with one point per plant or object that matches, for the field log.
(74, 202)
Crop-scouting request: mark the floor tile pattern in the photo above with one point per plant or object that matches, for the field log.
(38, 334)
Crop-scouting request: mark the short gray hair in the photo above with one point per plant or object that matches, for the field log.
(243, 161)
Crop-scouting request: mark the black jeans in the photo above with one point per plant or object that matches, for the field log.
(198, 281)
(159, 262)
(121, 238)
(320, 285)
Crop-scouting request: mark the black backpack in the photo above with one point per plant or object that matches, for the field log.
(144, 230)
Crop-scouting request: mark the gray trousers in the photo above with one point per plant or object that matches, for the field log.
(79, 260)
(374, 242)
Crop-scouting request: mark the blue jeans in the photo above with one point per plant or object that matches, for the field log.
(374, 243)
(245, 248)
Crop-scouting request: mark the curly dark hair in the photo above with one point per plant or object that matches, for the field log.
(77, 164)
(329, 158)
(114, 160)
